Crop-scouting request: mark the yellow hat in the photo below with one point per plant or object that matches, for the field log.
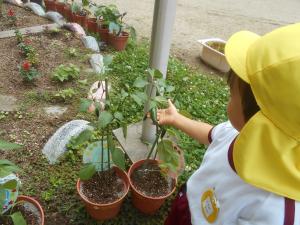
(266, 153)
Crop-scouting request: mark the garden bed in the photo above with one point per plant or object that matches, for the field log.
(25, 18)
(54, 185)
(30, 125)
(52, 50)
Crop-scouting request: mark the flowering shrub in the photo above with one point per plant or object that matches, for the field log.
(28, 72)
(11, 16)
(25, 49)
(19, 36)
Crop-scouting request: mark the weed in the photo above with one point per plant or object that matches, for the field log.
(66, 94)
(64, 73)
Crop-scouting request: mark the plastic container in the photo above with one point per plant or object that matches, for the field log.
(213, 57)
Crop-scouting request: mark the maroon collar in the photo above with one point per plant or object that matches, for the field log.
(230, 155)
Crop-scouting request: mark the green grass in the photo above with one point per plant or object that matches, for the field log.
(54, 185)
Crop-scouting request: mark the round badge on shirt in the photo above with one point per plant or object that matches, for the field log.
(209, 205)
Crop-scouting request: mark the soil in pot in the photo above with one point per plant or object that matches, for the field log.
(104, 187)
(149, 180)
(217, 46)
(30, 213)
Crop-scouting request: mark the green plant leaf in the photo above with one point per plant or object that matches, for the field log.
(85, 3)
(12, 184)
(137, 99)
(170, 88)
(7, 167)
(4, 145)
(107, 60)
(118, 157)
(83, 137)
(124, 129)
(167, 154)
(119, 116)
(87, 171)
(124, 94)
(18, 218)
(85, 104)
(160, 99)
(140, 82)
(105, 118)
(110, 142)
(158, 74)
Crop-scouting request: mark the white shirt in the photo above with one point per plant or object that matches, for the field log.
(239, 203)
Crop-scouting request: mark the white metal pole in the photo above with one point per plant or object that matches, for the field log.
(162, 27)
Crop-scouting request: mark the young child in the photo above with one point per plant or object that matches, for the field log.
(250, 174)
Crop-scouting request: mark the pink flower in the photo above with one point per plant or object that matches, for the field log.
(27, 41)
(10, 13)
(26, 66)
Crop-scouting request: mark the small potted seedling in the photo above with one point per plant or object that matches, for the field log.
(92, 25)
(154, 179)
(119, 33)
(15, 209)
(103, 183)
(79, 12)
(106, 15)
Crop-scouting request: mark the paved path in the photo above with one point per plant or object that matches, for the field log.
(197, 19)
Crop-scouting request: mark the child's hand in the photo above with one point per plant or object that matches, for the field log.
(167, 116)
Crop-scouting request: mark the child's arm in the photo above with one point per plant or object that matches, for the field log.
(195, 129)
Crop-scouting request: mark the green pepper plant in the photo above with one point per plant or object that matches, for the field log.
(170, 160)
(7, 168)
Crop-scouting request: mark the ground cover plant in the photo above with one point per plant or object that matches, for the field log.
(54, 185)
(15, 17)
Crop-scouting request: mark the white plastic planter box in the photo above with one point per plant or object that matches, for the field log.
(212, 56)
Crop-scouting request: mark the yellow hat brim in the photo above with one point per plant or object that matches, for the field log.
(270, 167)
(236, 50)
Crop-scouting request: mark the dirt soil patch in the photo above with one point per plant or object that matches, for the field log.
(24, 18)
(104, 187)
(52, 51)
(149, 180)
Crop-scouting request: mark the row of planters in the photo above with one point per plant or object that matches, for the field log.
(107, 21)
(103, 183)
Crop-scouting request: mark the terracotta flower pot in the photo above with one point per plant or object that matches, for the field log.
(36, 204)
(92, 25)
(119, 42)
(50, 5)
(146, 204)
(103, 33)
(105, 211)
(59, 7)
(67, 13)
(79, 19)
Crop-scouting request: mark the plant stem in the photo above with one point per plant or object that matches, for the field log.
(102, 152)
(108, 152)
(153, 145)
